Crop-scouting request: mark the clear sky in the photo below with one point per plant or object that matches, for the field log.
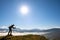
(43, 14)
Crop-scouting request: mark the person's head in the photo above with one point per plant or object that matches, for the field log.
(13, 25)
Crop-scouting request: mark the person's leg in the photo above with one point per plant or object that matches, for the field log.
(10, 32)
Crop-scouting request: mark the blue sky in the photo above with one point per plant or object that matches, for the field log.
(43, 14)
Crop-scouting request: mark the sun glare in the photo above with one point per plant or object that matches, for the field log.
(24, 10)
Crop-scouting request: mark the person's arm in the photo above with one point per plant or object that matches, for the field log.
(14, 27)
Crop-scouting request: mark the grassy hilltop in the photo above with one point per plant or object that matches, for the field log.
(25, 37)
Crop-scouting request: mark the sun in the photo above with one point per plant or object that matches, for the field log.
(24, 10)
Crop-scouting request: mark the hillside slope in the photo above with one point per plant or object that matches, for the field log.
(25, 37)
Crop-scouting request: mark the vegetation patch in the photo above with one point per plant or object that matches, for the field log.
(25, 37)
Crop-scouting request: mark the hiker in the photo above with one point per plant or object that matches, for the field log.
(10, 29)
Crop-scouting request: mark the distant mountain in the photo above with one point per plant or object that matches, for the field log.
(3, 30)
(32, 30)
(52, 30)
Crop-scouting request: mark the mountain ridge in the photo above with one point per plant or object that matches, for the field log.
(32, 30)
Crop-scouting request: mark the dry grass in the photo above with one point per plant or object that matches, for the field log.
(25, 37)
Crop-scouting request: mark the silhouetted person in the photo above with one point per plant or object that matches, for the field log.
(10, 29)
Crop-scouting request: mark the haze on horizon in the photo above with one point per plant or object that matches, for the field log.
(40, 14)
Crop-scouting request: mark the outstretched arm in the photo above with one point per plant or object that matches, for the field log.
(14, 27)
